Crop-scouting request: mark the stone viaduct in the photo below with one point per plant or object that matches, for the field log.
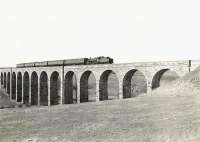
(55, 85)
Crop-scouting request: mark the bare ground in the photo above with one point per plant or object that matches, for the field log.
(141, 119)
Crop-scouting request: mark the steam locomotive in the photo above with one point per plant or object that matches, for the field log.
(69, 62)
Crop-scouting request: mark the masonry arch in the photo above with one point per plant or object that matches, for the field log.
(8, 83)
(26, 88)
(19, 87)
(163, 77)
(34, 88)
(55, 88)
(1, 78)
(87, 87)
(134, 84)
(70, 96)
(4, 78)
(13, 86)
(108, 86)
(44, 89)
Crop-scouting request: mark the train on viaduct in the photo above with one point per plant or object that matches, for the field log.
(49, 83)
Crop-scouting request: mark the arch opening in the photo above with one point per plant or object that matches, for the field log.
(1, 78)
(4, 79)
(44, 89)
(13, 86)
(55, 88)
(26, 88)
(134, 84)
(87, 87)
(34, 89)
(8, 83)
(19, 87)
(70, 96)
(163, 77)
(109, 86)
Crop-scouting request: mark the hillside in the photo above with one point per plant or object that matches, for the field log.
(5, 101)
(187, 85)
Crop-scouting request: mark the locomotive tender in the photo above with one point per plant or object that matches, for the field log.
(69, 62)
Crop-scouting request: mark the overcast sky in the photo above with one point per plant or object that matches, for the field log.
(127, 30)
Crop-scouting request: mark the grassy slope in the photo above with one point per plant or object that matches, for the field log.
(145, 119)
(187, 85)
(4, 100)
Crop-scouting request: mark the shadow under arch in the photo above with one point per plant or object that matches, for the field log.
(34, 88)
(134, 84)
(163, 77)
(55, 88)
(87, 87)
(4, 79)
(26, 88)
(1, 78)
(44, 89)
(13, 86)
(19, 87)
(108, 86)
(8, 83)
(70, 91)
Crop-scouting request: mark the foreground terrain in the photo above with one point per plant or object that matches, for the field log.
(142, 119)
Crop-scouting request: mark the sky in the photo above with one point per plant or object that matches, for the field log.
(126, 30)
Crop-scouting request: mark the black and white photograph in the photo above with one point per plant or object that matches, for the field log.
(100, 71)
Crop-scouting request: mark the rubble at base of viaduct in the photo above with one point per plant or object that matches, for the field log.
(54, 85)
